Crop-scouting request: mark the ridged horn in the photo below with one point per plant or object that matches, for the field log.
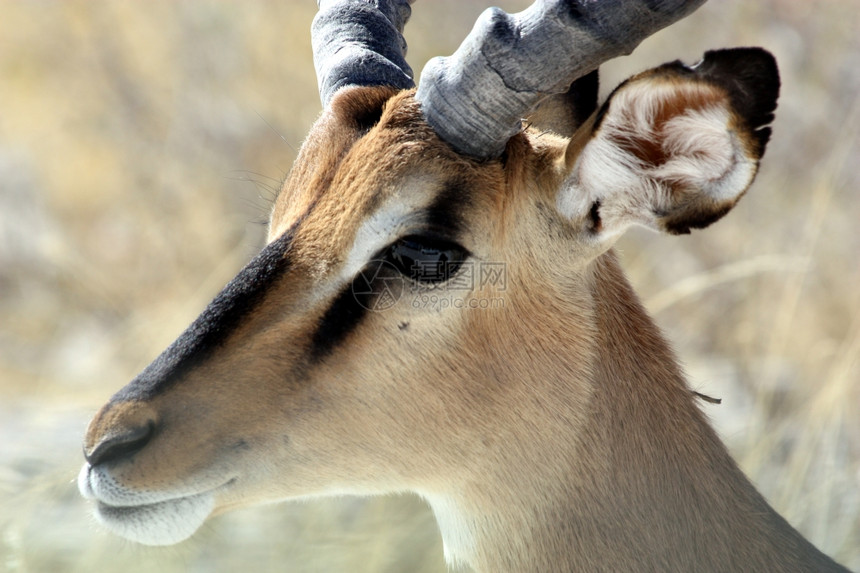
(360, 42)
(475, 98)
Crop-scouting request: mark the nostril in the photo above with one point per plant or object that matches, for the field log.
(119, 430)
(114, 447)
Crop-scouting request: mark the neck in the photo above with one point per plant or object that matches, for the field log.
(637, 480)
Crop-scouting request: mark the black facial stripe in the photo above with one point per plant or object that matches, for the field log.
(215, 323)
(444, 213)
(341, 318)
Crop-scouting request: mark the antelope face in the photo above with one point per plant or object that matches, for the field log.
(297, 380)
(388, 336)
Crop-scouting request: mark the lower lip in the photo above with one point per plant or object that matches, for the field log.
(162, 523)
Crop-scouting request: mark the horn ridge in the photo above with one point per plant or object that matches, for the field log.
(360, 42)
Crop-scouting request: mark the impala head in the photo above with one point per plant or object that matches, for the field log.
(428, 279)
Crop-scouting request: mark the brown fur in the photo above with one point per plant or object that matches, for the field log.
(558, 425)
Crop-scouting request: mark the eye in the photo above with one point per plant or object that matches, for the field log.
(426, 259)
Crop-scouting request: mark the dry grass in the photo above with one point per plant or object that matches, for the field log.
(140, 144)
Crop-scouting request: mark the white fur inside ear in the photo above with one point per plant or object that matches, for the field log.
(659, 145)
(704, 155)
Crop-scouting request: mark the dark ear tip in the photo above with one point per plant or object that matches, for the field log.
(746, 65)
(763, 136)
(749, 54)
(744, 61)
(751, 78)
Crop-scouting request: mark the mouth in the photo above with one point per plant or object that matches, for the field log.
(146, 517)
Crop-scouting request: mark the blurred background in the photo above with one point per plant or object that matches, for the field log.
(141, 144)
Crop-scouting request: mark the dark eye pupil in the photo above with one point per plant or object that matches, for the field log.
(425, 259)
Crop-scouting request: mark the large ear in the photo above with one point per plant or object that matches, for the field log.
(673, 148)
